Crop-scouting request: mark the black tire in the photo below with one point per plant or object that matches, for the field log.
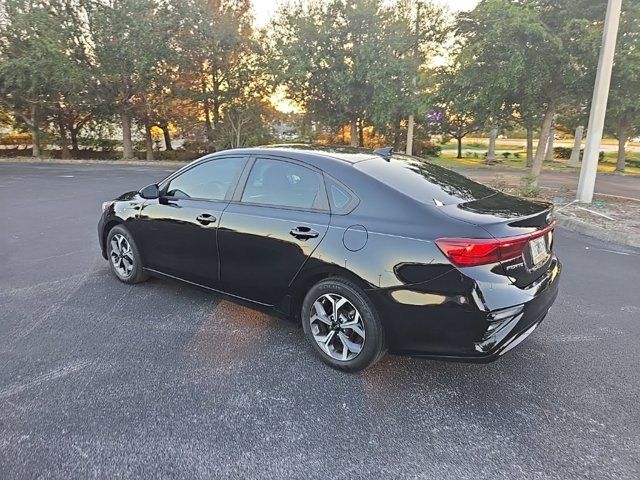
(373, 345)
(136, 273)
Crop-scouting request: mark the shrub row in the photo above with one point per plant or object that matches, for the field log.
(565, 153)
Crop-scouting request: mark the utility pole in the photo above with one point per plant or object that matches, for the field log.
(414, 82)
(599, 103)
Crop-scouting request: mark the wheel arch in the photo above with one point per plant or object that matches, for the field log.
(108, 226)
(308, 278)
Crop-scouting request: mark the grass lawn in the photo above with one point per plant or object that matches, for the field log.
(609, 163)
(473, 152)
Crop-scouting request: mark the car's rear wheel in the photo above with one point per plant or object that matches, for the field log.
(124, 257)
(342, 325)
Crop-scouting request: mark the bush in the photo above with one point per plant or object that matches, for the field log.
(428, 149)
(506, 155)
(565, 153)
(176, 155)
(562, 152)
(16, 152)
(527, 189)
(89, 154)
(16, 139)
(102, 144)
(199, 145)
(445, 138)
(633, 163)
(517, 155)
(140, 145)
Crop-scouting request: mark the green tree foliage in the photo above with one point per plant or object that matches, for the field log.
(350, 61)
(200, 68)
(454, 105)
(244, 123)
(77, 102)
(415, 32)
(321, 53)
(623, 109)
(218, 54)
(129, 42)
(40, 74)
(517, 62)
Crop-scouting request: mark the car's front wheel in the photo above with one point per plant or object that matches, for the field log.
(342, 325)
(124, 257)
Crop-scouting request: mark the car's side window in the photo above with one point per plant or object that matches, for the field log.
(211, 180)
(285, 184)
(341, 199)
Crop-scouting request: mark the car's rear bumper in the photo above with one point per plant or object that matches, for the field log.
(455, 329)
(513, 339)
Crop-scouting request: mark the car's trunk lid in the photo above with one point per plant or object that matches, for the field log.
(506, 217)
(500, 215)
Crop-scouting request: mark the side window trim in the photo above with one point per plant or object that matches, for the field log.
(244, 178)
(232, 187)
(242, 181)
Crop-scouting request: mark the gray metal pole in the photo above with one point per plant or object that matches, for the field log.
(599, 103)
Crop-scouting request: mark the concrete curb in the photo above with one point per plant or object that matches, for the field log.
(131, 163)
(598, 232)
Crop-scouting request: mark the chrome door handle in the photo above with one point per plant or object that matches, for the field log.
(206, 219)
(303, 233)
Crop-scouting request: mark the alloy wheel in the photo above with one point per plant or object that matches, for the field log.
(337, 327)
(121, 255)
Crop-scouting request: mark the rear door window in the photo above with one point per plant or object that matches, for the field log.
(284, 184)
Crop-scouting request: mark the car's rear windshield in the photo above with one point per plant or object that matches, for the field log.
(424, 181)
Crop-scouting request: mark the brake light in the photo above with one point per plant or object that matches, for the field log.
(468, 252)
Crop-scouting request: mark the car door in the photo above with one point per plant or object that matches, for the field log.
(178, 231)
(270, 229)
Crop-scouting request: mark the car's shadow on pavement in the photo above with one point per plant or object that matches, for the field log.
(232, 344)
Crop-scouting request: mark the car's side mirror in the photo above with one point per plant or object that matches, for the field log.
(150, 191)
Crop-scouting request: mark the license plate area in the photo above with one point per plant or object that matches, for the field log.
(539, 250)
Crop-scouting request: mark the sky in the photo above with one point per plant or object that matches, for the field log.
(265, 9)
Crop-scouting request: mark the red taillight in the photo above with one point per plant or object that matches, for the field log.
(468, 252)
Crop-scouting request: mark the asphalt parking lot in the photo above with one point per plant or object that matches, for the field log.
(101, 379)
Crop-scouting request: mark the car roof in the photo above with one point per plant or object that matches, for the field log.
(312, 152)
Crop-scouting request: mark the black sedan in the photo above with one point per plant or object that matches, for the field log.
(370, 252)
